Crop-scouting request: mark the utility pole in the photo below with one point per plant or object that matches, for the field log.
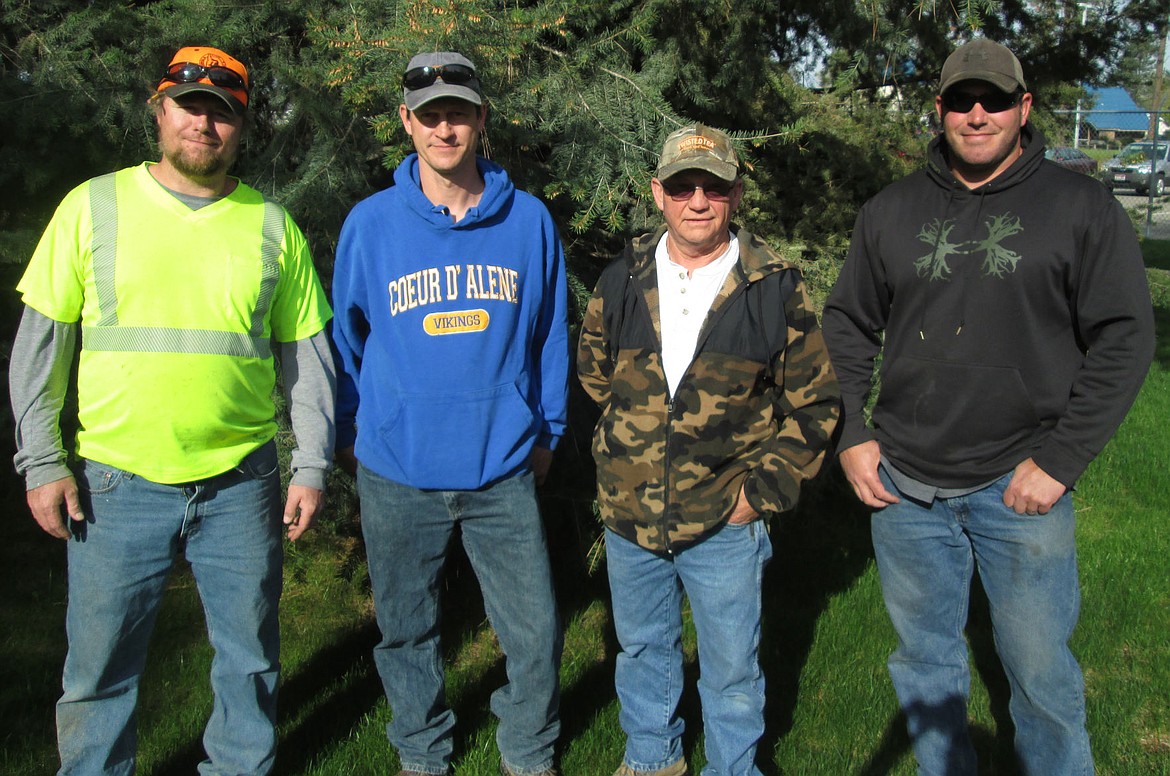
(1077, 126)
(1159, 69)
(1155, 117)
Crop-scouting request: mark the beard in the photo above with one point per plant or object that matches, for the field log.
(197, 163)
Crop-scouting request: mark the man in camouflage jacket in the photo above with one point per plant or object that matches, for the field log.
(717, 400)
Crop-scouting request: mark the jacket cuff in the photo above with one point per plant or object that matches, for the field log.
(1059, 466)
(853, 433)
(755, 491)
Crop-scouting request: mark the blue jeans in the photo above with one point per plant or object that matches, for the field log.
(722, 577)
(228, 527)
(1027, 563)
(408, 533)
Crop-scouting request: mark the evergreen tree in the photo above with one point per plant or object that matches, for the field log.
(75, 77)
(582, 93)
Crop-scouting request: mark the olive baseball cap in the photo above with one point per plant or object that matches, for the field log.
(983, 60)
(698, 147)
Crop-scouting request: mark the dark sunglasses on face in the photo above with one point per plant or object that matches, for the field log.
(993, 101)
(189, 72)
(422, 77)
(682, 192)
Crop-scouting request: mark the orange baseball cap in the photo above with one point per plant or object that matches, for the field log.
(205, 69)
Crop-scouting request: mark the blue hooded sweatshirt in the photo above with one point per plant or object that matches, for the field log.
(452, 337)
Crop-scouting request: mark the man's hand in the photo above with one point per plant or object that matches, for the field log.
(540, 462)
(46, 503)
(743, 512)
(1032, 491)
(346, 460)
(301, 509)
(860, 464)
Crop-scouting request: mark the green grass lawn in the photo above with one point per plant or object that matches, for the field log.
(831, 707)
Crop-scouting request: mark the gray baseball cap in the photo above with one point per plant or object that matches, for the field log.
(983, 60)
(432, 75)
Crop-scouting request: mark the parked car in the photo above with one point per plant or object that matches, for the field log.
(1130, 169)
(1072, 158)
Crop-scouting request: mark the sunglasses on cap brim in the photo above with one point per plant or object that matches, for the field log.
(189, 73)
(422, 77)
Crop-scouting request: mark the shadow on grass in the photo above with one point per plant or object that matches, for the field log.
(32, 575)
(820, 550)
(336, 711)
(566, 503)
(1162, 332)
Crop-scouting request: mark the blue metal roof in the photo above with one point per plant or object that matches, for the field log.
(1115, 98)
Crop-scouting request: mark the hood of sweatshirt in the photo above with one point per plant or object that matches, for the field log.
(493, 203)
(1033, 142)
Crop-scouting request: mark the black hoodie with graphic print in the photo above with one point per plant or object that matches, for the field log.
(1016, 316)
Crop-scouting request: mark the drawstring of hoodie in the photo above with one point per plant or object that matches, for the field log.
(982, 194)
(964, 297)
(934, 253)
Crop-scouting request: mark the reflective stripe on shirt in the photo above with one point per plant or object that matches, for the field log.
(109, 335)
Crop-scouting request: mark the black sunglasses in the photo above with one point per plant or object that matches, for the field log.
(682, 192)
(189, 73)
(993, 101)
(422, 77)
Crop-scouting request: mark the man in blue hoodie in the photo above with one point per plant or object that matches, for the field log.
(452, 333)
(1008, 298)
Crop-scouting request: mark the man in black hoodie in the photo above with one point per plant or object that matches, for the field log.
(1008, 299)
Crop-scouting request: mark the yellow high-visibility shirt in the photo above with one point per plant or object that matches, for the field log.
(178, 309)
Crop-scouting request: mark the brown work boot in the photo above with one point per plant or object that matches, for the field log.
(677, 768)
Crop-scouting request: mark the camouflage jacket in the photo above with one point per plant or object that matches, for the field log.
(756, 407)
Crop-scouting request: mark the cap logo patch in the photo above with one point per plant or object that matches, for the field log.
(211, 60)
(696, 143)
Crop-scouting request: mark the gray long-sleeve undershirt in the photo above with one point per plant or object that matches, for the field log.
(38, 380)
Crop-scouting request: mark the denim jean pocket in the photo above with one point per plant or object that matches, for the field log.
(98, 479)
(261, 463)
(751, 528)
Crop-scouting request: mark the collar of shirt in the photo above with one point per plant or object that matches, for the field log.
(683, 301)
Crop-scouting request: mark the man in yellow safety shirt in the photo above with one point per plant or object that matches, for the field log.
(179, 280)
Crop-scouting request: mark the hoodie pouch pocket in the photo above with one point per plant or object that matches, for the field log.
(459, 440)
(954, 414)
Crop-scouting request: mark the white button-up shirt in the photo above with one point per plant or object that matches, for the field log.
(684, 298)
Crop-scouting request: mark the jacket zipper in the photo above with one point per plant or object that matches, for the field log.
(666, 478)
(740, 290)
(664, 520)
